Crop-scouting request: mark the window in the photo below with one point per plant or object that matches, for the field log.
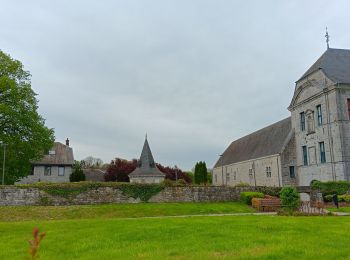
(268, 172)
(310, 122)
(322, 153)
(302, 121)
(251, 173)
(227, 177)
(304, 155)
(234, 175)
(319, 115)
(216, 178)
(61, 171)
(291, 172)
(47, 171)
(349, 107)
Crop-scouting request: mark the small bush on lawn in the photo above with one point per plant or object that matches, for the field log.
(290, 198)
(328, 198)
(247, 196)
(331, 187)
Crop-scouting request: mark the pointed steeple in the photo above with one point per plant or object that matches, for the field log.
(146, 165)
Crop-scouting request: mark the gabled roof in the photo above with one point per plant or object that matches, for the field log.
(146, 165)
(61, 155)
(335, 64)
(267, 141)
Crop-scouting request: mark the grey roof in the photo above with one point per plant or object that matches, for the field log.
(94, 175)
(63, 155)
(146, 165)
(335, 63)
(267, 141)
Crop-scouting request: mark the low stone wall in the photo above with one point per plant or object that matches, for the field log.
(12, 195)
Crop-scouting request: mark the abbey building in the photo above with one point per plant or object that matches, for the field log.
(312, 144)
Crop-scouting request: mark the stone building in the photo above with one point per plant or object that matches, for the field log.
(316, 146)
(56, 166)
(146, 171)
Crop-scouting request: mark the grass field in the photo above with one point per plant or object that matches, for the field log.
(239, 237)
(20, 213)
(340, 209)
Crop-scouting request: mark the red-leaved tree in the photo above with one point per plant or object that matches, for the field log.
(119, 169)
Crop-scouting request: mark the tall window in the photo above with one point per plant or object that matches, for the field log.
(322, 152)
(349, 107)
(304, 155)
(47, 171)
(302, 121)
(216, 178)
(319, 115)
(61, 171)
(268, 172)
(234, 175)
(291, 172)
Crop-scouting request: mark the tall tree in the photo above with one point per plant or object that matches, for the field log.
(200, 173)
(22, 129)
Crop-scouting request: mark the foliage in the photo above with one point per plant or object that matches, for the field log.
(242, 184)
(171, 183)
(272, 191)
(21, 127)
(344, 198)
(331, 187)
(328, 198)
(119, 170)
(290, 198)
(200, 173)
(142, 191)
(247, 196)
(91, 163)
(190, 175)
(77, 174)
(35, 242)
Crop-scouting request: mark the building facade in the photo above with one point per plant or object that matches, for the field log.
(317, 146)
(56, 166)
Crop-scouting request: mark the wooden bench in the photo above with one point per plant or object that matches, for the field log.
(266, 204)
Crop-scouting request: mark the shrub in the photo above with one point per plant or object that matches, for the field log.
(290, 198)
(272, 191)
(242, 184)
(331, 187)
(247, 196)
(344, 198)
(77, 174)
(328, 198)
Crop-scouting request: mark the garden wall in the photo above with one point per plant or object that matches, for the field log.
(56, 195)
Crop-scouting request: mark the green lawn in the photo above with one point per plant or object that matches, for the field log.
(241, 237)
(341, 209)
(20, 213)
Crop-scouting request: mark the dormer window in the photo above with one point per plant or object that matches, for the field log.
(52, 152)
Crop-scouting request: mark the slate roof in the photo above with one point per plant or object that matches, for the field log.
(146, 165)
(94, 175)
(335, 63)
(267, 141)
(63, 156)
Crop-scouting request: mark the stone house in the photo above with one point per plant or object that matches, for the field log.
(313, 144)
(146, 170)
(56, 166)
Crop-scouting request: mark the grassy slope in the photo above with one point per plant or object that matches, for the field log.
(21, 213)
(245, 237)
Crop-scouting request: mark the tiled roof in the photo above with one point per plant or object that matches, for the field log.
(267, 141)
(59, 154)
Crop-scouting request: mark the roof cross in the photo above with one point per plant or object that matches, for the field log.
(327, 38)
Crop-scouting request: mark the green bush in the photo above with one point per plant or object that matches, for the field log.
(344, 198)
(272, 191)
(247, 196)
(77, 174)
(331, 187)
(290, 198)
(328, 198)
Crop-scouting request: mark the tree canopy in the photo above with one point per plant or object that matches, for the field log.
(22, 129)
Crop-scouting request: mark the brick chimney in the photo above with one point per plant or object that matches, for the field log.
(67, 142)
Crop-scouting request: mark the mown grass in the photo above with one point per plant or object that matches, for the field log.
(238, 237)
(340, 209)
(21, 213)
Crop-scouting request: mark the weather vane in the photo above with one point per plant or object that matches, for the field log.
(327, 38)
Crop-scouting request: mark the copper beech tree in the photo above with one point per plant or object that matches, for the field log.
(119, 170)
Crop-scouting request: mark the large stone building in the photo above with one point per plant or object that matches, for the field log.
(313, 144)
(146, 170)
(56, 166)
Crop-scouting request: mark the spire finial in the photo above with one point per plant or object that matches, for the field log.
(146, 136)
(327, 38)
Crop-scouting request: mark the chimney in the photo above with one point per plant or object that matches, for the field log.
(67, 142)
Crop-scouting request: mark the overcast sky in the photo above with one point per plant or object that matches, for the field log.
(194, 75)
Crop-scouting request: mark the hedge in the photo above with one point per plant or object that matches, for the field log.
(341, 198)
(247, 196)
(331, 187)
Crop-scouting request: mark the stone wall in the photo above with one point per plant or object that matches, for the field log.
(12, 195)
